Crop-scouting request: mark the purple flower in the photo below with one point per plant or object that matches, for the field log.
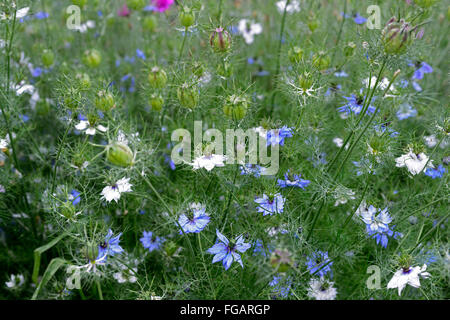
(196, 220)
(359, 19)
(162, 5)
(293, 180)
(405, 111)
(75, 197)
(41, 15)
(277, 136)
(251, 169)
(140, 54)
(272, 204)
(355, 105)
(436, 172)
(151, 242)
(226, 251)
(320, 263)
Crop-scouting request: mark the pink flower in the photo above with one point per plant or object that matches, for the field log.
(163, 5)
(124, 11)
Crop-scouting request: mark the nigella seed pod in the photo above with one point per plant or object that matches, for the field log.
(396, 36)
(150, 23)
(235, 107)
(188, 96)
(84, 80)
(136, 4)
(48, 58)
(92, 58)
(91, 251)
(321, 60)
(295, 54)
(105, 101)
(220, 40)
(119, 154)
(187, 17)
(156, 101)
(157, 78)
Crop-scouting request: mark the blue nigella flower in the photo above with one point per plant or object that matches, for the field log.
(277, 136)
(151, 242)
(416, 86)
(406, 111)
(75, 197)
(41, 15)
(377, 225)
(320, 263)
(436, 172)
(293, 181)
(320, 160)
(421, 69)
(259, 248)
(359, 19)
(226, 251)
(140, 54)
(270, 204)
(111, 245)
(251, 169)
(355, 105)
(281, 288)
(196, 220)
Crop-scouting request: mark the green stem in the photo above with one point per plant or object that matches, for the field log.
(59, 154)
(277, 70)
(99, 289)
(340, 31)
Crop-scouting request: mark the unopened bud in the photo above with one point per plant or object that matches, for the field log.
(321, 60)
(220, 40)
(48, 58)
(188, 96)
(119, 154)
(295, 54)
(396, 36)
(157, 78)
(92, 58)
(187, 17)
(156, 101)
(105, 101)
(235, 107)
(149, 23)
(349, 49)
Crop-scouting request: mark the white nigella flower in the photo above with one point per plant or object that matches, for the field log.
(88, 128)
(113, 192)
(249, 29)
(15, 281)
(126, 275)
(376, 222)
(4, 143)
(321, 289)
(414, 162)
(85, 26)
(292, 7)
(209, 162)
(382, 84)
(430, 141)
(22, 87)
(21, 13)
(408, 276)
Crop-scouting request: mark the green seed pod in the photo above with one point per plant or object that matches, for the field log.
(313, 23)
(105, 101)
(321, 60)
(157, 102)
(295, 54)
(48, 58)
(220, 40)
(80, 3)
(91, 251)
(85, 81)
(188, 96)
(157, 78)
(67, 209)
(149, 23)
(136, 4)
(119, 154)
(425, 3)
(349, 49)
(187, 17)
(235, 107)
(396, 36)
(304, 81)
(92, 58)
(281, 260)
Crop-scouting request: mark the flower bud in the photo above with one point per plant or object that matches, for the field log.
(68, 210)
(321, 60)
(92, 58)
(105, 101)
(295, 54)
(220, 40)
(188, 96)
(313, 23)
(187, 17)
(91, 251)
(235, 107)
(150, 23)
(84, 80)
(119, 154)
(48, 58)
(396, 36)
(281, 260)
(349, 49)
(157, 78)
(156, 101)
(136, 4)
